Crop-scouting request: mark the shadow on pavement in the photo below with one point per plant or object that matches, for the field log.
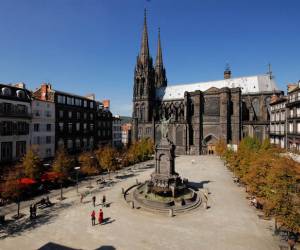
(106, 248)
(55, 246)
(122, 177)
(197, 185)
(16, 227)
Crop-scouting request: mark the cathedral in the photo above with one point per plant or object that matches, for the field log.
(199, 114)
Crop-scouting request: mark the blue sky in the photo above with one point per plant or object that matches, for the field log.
(90, 46)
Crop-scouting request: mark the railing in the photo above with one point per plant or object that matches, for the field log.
(12, 113)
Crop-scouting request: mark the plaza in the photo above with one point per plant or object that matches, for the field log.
(229, 222)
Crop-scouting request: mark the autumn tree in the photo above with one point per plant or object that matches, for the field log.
(12, 188)
(31, 164)
(88, 163)
(221, 147)
(107, 158)
(62, 165)
(283, 200)
(140, 150)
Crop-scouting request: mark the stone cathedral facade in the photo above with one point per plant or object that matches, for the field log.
(199, 113)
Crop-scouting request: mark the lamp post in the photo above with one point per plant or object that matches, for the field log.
(77, 170)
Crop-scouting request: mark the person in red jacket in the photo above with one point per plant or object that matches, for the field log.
(93, 217)
(100, 218)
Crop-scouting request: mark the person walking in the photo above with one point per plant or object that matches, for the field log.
(100, 217)
(31, 211)
(103, 200)
(34, 211)
(94, 200)
(93, 217)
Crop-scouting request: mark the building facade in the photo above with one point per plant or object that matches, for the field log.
(104, 125)
(293, 118)
(126, 134)
(78, 119)
(116, 132)
(200, 113)
(15, 119)
(43, 128)
(278, 130)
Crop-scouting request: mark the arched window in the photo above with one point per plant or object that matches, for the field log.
(142, 113)
(179, 136)
(256, 108)
(137, 112)
(142, 86)
(267, 101)
(245, 112)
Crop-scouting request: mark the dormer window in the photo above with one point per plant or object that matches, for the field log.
(20, 94)
(6, 91)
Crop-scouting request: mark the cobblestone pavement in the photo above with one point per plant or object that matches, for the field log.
(229, 223)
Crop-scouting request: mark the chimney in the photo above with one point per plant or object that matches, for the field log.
(106, 104)
(20, 85)
(291, 86)
(44, 91)
(227, 72)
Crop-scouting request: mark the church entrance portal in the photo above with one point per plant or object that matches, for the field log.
(209, 145)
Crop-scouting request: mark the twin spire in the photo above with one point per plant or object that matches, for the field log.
(144, 53)
(145, 58)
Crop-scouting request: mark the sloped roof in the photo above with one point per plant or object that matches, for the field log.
(248, 85)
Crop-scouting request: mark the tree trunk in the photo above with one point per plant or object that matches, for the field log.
(18, 213)
(61, 191)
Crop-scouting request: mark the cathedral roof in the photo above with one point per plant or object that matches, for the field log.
(248, 85)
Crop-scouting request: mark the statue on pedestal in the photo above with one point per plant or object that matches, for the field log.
(165, 180)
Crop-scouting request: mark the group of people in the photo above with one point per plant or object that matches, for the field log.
(44, 202)
(103, 201)
(100, 217)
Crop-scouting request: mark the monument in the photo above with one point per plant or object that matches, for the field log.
(165, 191)
(165, 180)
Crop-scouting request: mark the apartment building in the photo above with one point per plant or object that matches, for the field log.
(43, 128)
(278, 117)
(15, 118)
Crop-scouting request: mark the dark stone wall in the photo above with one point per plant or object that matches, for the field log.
(201, 118)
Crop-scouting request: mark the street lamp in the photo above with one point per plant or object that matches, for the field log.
(77, 171)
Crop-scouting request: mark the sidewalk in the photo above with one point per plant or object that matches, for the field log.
(11, 209)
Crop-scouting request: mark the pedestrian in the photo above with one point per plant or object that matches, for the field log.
(34, 211)
(103, 200)
(81, 198)
(93, 217)
(100, 217)
(31, 211)
(94, 200)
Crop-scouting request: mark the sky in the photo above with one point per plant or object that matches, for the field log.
(90, 46)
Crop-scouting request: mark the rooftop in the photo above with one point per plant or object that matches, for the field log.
(248, 85)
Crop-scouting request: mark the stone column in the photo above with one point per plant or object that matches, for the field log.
(224, 114)
(236, 116)
(134, 134)
(196, 97)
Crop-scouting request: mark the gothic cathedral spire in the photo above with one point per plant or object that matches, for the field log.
(144, 81)
(144, 53)
(160, 72)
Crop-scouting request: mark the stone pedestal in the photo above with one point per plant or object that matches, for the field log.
(165, 179)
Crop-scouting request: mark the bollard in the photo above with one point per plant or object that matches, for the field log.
(132, 204)
(171, 212)
(123, 191)
(137, 181)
